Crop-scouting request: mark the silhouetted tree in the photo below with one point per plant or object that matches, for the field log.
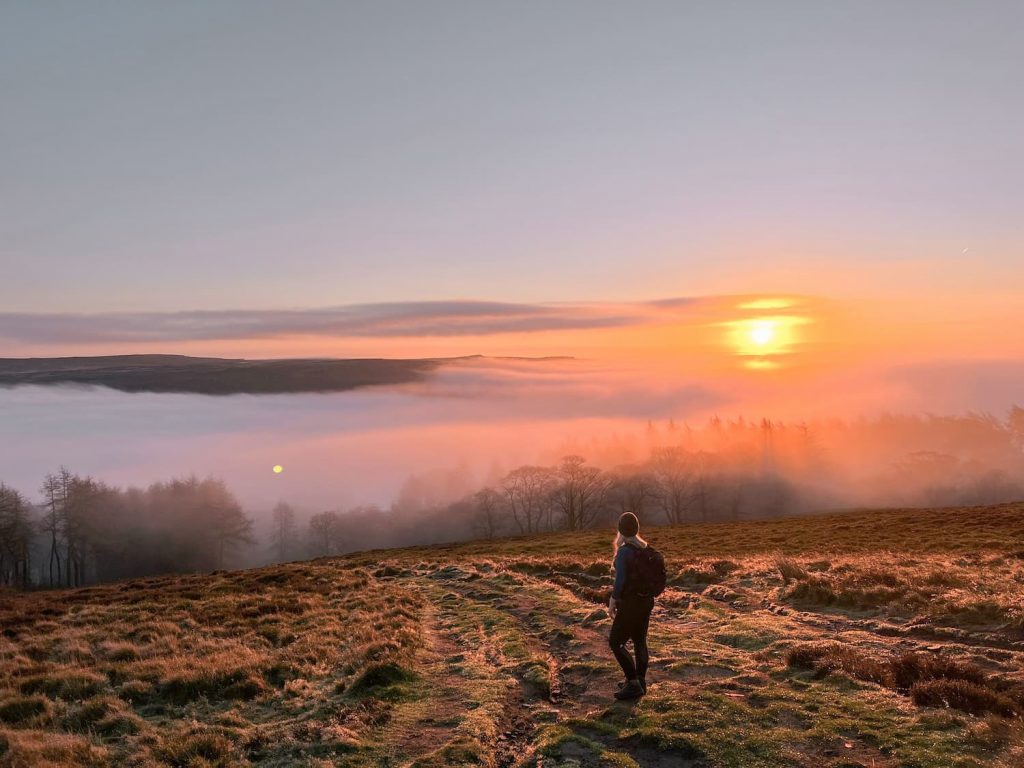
(528, 491)
(199, 522)
(488, 507)
(671, 470)
(324, 532)
(579, 492)
(229, 525)
(283, 531)
(85, 531)
(15, 538)
(633, 489)
(85, 505)
(55, 494)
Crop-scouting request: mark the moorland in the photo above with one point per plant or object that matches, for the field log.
(871, 638)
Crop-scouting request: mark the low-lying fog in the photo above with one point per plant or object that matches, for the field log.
(475, 420)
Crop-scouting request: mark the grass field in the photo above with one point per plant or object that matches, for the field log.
(879, 639)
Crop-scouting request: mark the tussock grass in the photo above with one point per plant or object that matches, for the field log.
(103, 715)
(790, 570)
(909, 669)
(831, 657)
(205, 747)
(965, 696)
(24, 710)
(46, 748)
(64, 683)
(938, 590)
(929, 680)
(380, 675)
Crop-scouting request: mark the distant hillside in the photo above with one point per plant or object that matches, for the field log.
(215, 376)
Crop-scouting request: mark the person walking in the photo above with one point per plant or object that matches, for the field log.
(639, 578)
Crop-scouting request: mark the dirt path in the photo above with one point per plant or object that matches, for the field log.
(425, 725)
(567, 635)
(517, 673)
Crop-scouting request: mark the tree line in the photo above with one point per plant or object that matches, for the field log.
(721, 470)
(83, 531)
(80, 530)
(673, 487)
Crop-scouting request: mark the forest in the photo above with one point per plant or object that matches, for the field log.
(79, 530)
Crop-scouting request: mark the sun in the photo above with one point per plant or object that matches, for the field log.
(765, 342)
(763, 332)
(278, 469)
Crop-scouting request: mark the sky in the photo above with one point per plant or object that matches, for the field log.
(168, 157)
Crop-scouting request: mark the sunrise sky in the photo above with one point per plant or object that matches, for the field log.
(793, 210)
(588, 179)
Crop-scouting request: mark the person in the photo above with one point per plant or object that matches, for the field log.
(630, 609)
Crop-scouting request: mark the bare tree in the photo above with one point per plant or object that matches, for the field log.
(633, 489)
(323, 531)
(671, 469)
(579, 492)
(528, 491)
(283, 534)
(487, 517)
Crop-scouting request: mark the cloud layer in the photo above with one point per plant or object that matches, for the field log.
(397, 319)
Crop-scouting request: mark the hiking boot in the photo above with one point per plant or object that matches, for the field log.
(622, 684)
(631, 690)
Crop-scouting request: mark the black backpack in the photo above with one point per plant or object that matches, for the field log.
(647, 573)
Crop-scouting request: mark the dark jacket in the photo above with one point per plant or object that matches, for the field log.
(623, 562)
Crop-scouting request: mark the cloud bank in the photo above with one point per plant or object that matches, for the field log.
(393, 319)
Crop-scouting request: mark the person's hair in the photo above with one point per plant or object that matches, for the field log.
(628, 522)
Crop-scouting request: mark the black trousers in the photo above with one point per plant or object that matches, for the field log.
(630, 623)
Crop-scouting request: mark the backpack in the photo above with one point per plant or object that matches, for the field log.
(647, 576)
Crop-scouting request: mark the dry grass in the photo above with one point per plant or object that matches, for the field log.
(929, 679)
(124, 671)
(790, 570)
(965, 696)
(866, 639)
